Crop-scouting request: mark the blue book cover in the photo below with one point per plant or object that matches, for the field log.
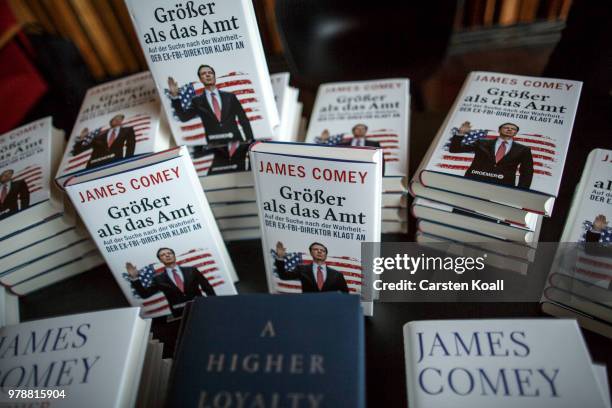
(271, 351)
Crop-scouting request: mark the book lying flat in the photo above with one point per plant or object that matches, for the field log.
(210, 69)
(152, 223)
(30, 155)
(91, 358)
(482, 241)
(279, 351)
(239, 234)
(117, 120)
(505, 140)
(317, 205)
(511, 215)
(224, 210)
(454, 217)
(499, 363)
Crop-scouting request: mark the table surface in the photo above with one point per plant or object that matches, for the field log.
(386, 381)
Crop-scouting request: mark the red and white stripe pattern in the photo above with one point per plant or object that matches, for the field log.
(594, 269)
(33, 176)
(543, 151)
(142, 128)
(237, 83)
(157, 305)
(203, 164)
(349, 267)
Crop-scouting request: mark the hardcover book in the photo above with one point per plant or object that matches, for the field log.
(315, 211)
(499, 363)
(365, 113)
(471, 221)
(92, 359)
(581, 275)
(153, 225)
(29, 156)
(210, 69)
(275, 351)
(117, 120)
(505, 140)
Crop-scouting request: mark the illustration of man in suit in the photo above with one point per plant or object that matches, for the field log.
(118, 142)
(496, 161)
(14, 194)
(219, 111)
(317, 277)
(359, 139)
(599, 230)
(179, 284)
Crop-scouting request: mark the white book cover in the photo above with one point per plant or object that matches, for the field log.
(28, 160)
(117, 120)
(499, 363)
(210, 69)
(315, 211)
(507, 130)
(93, 359)
(153, 225)
(345, 113)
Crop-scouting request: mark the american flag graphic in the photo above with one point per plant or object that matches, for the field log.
(387, 138)
(157, 305)
(237, 83)
(605, 237)
(142, 128)
(543, 151)
(349, 267)
(33, 177)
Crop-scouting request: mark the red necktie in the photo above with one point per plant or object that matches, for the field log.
(3, 193)
(177, 280)
(232, 148)
(216, 106)
(320, 280)
(501, 152)
(112, 137)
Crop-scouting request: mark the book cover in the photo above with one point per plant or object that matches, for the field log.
(507, 131)
(210, 69)
(117, 120)
(286, 98)
(91, 358)
(276, 351)
(28, 159)
(317, 204)
(501, 363)
(365, 113)
(153, 225)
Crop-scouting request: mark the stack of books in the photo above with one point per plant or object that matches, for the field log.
(494, 169)
(505, 363)
(376, 114)
(82, 363)
(216, 104)
(41, 242)
(580, 281)
(231, 192)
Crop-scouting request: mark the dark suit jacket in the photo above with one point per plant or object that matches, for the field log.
(503, 172)
(192, 279)
(223, 163)
(17, 199)
(103, 154)
(333, 282)
(231, 110)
